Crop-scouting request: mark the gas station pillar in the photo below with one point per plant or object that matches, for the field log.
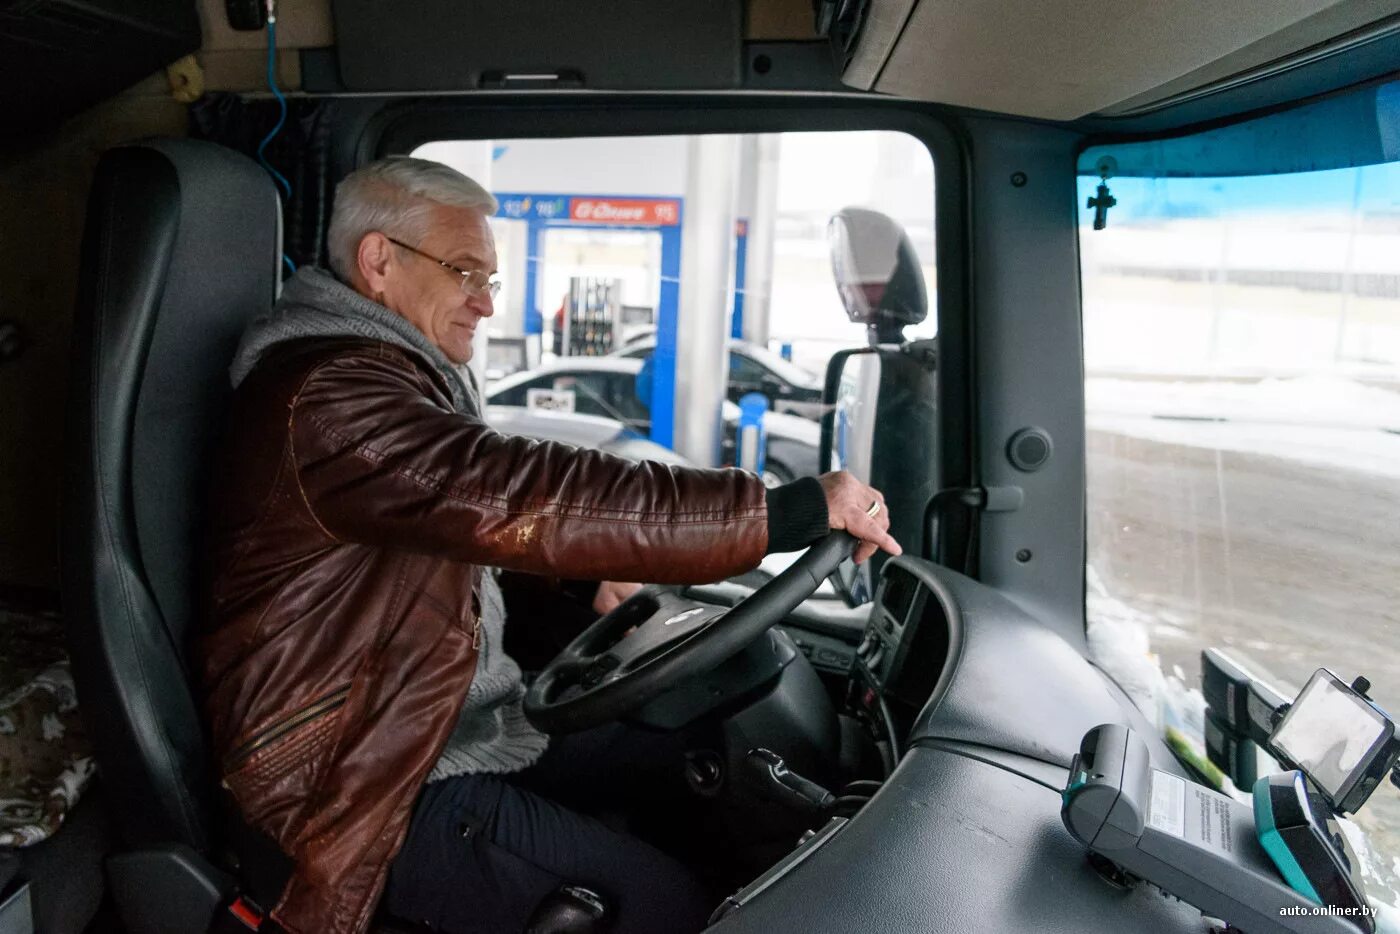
(513, 247)
(698, 342)
(758, 202)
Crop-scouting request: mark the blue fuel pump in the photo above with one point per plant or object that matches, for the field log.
(753, 437)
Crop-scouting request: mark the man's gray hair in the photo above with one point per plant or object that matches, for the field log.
(395, 196)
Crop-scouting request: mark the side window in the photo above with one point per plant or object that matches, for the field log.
(622, 394)
(1242, 384)
(516, 395)
(589, 232)
(587, 389)
(744, 370)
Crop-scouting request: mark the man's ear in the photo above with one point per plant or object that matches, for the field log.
(372, 260)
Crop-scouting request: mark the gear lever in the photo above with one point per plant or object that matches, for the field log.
(570, 909)
(769, 774)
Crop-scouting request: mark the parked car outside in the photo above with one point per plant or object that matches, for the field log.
(607, 387)
(585, 431)
(754, 368)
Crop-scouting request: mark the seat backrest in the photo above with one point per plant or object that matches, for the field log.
(182, 249)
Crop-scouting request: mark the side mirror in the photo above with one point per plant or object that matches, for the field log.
(877, 273)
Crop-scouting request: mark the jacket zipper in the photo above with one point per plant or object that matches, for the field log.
(476, 633)
(301, 717)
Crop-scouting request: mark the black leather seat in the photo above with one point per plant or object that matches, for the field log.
(182, 249)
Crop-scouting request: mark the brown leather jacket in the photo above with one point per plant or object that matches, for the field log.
(352, 508)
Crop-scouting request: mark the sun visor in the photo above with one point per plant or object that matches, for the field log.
(1065, 59)
(459, 45)
(1359, 128)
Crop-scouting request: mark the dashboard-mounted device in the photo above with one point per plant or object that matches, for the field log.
(1241, 701)
(1299, 831)
(1184, 838)
(1339, 739)
(1242, 710)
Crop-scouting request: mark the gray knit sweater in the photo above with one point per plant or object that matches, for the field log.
(492, 734)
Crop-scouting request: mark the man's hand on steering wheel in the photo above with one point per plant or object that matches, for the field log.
(860, 510)
(605, 672)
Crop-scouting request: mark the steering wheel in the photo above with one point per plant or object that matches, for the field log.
(600, 675)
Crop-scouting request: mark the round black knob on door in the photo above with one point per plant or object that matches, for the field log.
(1029, 449)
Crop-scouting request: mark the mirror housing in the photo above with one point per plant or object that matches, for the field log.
(877, 273)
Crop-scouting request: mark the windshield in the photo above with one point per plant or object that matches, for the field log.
(1242, 384)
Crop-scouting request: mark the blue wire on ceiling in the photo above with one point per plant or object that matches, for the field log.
(281, 103)
(277, 176)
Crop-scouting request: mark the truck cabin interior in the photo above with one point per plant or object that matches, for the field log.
(1105, 299)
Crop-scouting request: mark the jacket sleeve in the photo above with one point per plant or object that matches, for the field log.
(380, 463)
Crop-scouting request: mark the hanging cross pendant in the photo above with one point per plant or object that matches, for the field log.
(1101, 203)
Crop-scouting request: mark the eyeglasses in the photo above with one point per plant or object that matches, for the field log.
(473, 280)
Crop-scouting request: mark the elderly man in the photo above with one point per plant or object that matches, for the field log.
(366, 717)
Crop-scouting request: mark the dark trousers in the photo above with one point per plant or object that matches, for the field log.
(484, 850)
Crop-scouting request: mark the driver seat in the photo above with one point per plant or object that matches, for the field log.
(181, 250)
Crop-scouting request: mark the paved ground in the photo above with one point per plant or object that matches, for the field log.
(1297, 566)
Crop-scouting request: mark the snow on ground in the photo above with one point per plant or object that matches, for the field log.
(1119, 643)
(1317, 401)
(1323, 420)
